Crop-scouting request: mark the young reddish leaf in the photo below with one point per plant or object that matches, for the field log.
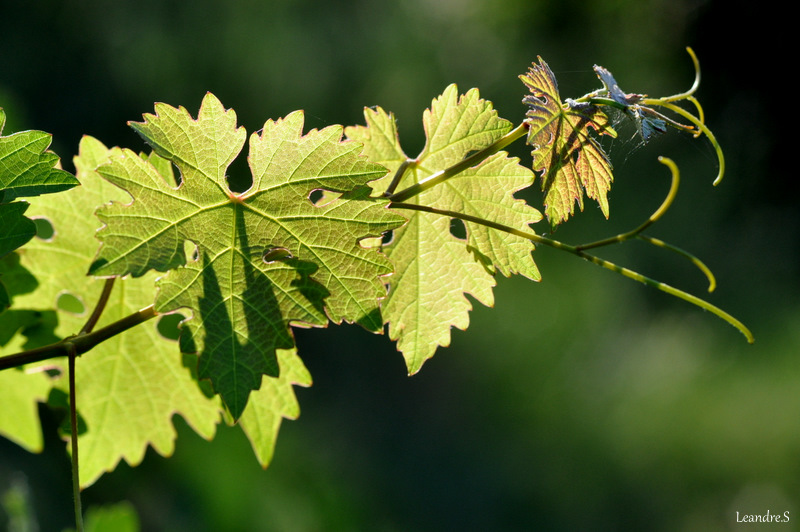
(570, 160)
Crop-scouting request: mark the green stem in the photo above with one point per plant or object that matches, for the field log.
(101, 305)
(73, 422)
(81, 343)
(468, 162)
(673, 190)
(398, 175)
(637, 233)
(712, 282)
(700, 125)
(671, 291)
(591, 258)
(695, 85)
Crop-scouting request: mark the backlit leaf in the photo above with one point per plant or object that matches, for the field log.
(26, 169)
(435, 268)
(218, 243)
(571, 161)
(129, 387)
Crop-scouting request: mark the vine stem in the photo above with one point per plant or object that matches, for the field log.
(73, 422)
(81, 343)
(673, 191)
(680, 294)
(468, 162)
(637, 233)
(73, 404)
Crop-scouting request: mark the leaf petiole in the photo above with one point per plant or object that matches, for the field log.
(99, 307)
(398, 176)
(468, 162)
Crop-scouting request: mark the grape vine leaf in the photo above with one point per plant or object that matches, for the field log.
(17, 229)
(19, 417)
(570, 160)
(272, 403)
(23, 389)
(247, 264)
(26, 169)
(435, 269)
(129, 387)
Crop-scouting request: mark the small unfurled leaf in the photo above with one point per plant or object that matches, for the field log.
(570, 160)
(646, 123)
(434, 267)
(222, 246)
(614, 92)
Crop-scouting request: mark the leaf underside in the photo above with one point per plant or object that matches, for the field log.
(221, 246)
(569, 159)
(129, 387)
(434, 268)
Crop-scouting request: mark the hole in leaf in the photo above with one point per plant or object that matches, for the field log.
(316, 196)
(239, 176)
(69, 303)
(190, 251)
(177, 175)
(168, 326)
(387, 238)
(457, 229)
(274, 254)
(44, 229)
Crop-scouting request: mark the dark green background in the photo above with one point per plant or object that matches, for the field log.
(584, 402)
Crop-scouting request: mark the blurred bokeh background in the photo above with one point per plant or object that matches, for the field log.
(584, 402)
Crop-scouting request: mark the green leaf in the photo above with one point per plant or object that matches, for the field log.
(16, 228)
(27, 168)
(129, 387)
(242, 292)
(435, 269)
(19, 417)
(119, 517)
(570, 160)
(275, 400)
